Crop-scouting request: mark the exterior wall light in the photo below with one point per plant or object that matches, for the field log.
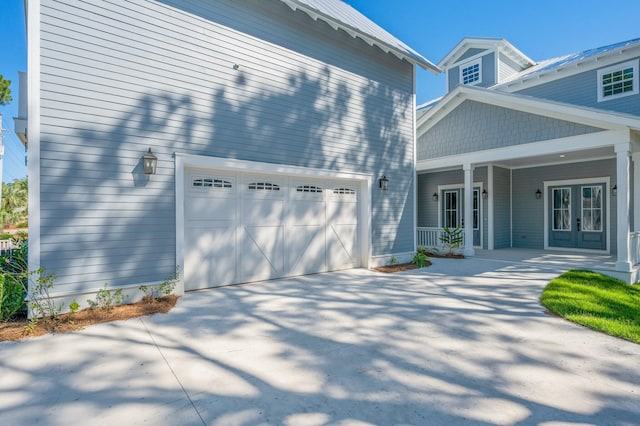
(538, 194)
(435, 196)
(149, 163)
(485, 194)
(383, 182)
(614, 191)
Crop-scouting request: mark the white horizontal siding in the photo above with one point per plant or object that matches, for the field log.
(119, 77)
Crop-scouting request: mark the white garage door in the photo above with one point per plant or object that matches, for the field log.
(243, 227)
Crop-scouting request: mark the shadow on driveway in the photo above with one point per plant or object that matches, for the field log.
(461, 342)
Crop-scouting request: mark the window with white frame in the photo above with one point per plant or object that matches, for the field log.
(561, 199)
(471, 72)
(451, 206)
(592, 208)
(618, 81)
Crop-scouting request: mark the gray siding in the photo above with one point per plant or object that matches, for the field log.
(470, 53)
(528, 212)
(480, 175)
(474, 126)
(454, 78)
(488, 72)
(582, 89)
(119, 77)
(507, 68)
(501, 207)
(428, 185)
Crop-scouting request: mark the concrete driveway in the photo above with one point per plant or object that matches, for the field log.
(461, 342)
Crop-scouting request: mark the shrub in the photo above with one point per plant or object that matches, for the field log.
(452, 238)
(420, 259)
(15, 277)
(151, 293)
(106, 299)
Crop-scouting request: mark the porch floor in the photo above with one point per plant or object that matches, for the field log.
(552, 259)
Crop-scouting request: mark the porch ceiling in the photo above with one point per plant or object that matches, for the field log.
(559, 158)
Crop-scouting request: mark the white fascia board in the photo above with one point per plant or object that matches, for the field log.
(493, 44)
(551, 109)
(568, 70)
(552, 146)
(409, 55)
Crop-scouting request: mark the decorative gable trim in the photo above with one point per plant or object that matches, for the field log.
(561, 111)
(491, 44)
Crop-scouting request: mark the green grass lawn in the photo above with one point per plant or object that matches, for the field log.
(596, 301)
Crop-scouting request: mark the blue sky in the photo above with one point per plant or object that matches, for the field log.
(542, 29)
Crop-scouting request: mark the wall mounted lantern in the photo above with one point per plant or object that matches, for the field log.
(149, 163)
(383, 182)
(485, 194)
(538, 194)
(614, 191)
(435, 196)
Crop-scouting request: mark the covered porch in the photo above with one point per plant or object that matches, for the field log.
(533, 175)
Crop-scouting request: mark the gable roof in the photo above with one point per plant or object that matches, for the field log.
(340, 15)
(563, 65)
(562, 111)
(499, 44)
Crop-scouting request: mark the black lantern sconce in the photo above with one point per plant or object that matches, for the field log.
(614, 191)
(435, 196)
(538, 194)
(485, 194)
(383, 183)
(149, 163)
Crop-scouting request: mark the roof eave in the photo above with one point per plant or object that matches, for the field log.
(411, 57)
(596, 118)
(501, 44)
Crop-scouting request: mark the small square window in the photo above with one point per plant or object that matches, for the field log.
(471, 72)
(618, 81)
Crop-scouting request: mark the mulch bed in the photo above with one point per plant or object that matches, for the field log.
(398, 267)
(446, 255)
(18, 329)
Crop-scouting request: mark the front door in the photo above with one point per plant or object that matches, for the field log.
(577, 216)
(453, 211)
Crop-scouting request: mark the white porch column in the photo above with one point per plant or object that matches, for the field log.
(622, 201)
(636, 191)
(468, 210)
(490, 223)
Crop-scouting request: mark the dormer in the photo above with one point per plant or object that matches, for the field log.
(482, 62)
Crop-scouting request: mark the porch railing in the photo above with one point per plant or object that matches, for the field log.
(634, 249)
(430, 237)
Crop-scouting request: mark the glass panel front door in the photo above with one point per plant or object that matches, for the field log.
(577, 216)
(453, 211)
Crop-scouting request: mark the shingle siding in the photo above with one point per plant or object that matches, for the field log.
(119, 77)
(475, 126)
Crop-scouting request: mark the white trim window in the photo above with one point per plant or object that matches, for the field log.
(592, 208)
(561, 209)
(471, 72)
(618, 81)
